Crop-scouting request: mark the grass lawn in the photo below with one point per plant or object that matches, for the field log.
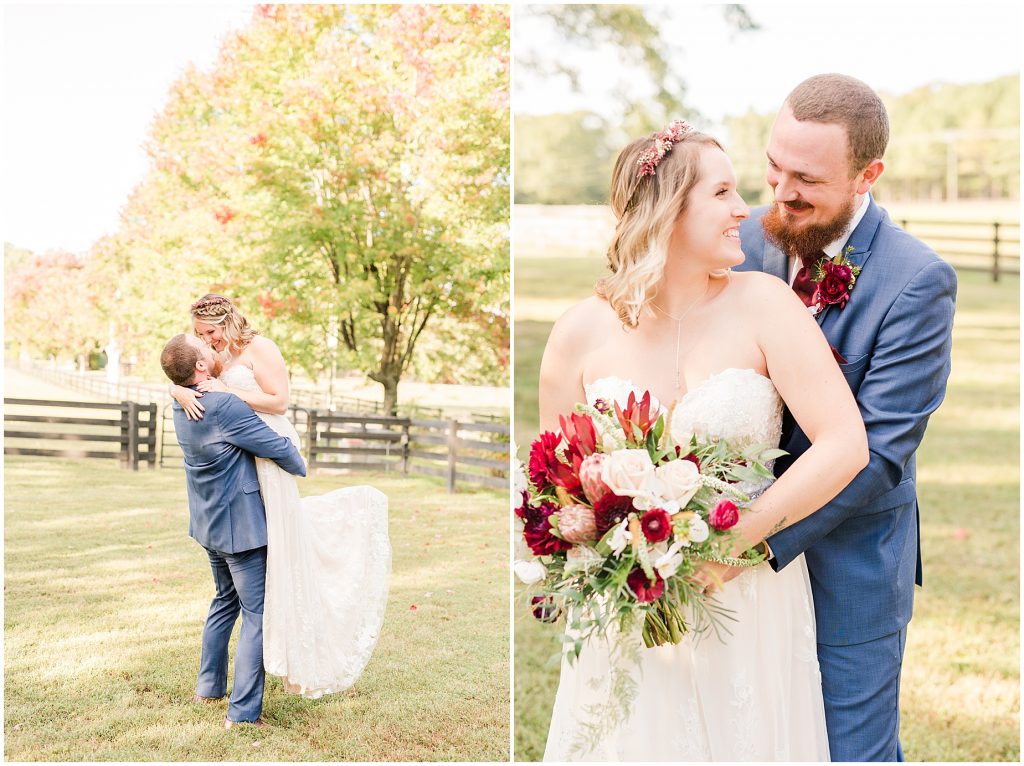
(105, 597)
(960, 687)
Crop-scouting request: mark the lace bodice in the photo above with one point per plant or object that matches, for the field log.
(242, 377)
(736, 405)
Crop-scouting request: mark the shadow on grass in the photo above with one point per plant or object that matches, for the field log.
(105, 602)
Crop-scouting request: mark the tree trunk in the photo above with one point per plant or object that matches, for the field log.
(390, 395)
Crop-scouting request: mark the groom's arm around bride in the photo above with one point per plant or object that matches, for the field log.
(227, 517)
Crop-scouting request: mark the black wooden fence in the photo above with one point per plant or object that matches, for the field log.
(992, 247)
(129, 427)
(460, 452)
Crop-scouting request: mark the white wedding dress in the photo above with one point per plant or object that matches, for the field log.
(754, 695)
(328, 565)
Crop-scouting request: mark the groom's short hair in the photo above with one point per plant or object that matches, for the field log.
(843, 100)
(179, 359)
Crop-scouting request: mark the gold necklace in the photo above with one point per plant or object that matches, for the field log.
(679, 326)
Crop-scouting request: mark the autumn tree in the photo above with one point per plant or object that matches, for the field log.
(50, 304)
(346, 168)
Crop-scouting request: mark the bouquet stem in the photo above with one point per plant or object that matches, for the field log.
(663, 625)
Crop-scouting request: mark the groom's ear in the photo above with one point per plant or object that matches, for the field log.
(869, 175)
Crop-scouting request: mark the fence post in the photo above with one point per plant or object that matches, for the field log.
(132, 416)
(453, 438)
(405, 448)
(995, 251)
(125, 436)
(151, 435)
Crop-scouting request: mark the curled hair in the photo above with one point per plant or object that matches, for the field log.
(218, 310)
(846, 101)
(646, 209)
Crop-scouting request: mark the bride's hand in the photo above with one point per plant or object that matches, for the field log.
(212, 384)
(711, 576)
(189, 401)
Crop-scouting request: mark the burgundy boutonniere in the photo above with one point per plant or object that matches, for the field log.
(835, 278)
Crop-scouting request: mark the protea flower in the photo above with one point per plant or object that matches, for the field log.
(590, 477)
(576, 524)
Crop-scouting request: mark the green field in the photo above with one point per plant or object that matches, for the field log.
(960, 687)
(105, 597)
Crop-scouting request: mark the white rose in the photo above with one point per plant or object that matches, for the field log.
(628, 472)
(698, 530)
(620, 538)
(530, 572)
(668, 562)
(679, 481)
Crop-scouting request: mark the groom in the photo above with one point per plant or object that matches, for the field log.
(890, 326)
(226, 517)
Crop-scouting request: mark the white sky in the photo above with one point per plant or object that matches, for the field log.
(893, 46)
(81, 86)
(82, 83)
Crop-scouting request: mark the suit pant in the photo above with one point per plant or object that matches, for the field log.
(861, 688)
(240, 579)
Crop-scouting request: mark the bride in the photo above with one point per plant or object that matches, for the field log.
(328, 557)
(727, 349)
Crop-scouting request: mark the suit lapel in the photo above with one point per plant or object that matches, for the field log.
(860, 240)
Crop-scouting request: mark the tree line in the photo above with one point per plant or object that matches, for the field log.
(948, 142)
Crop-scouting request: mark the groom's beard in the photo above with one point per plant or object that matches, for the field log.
(797, 241)
(217, 368)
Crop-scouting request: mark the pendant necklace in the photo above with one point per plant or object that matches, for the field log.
(679, 326)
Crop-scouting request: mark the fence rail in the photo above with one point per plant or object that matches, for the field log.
(132, 431)
(349, 441)
(991, 247)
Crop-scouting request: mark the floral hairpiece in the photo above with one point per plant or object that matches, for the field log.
(206, 302)
(663, 142)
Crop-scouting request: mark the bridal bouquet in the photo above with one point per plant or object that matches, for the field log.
(618, 513)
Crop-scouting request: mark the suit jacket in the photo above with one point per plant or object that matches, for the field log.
(226, 512)
(863, 548)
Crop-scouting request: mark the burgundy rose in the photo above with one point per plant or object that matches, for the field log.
(537, 531)
(544, 609)
(656, 524)
(643, 589)
(724, 515)
(835, 287)
(609, 511)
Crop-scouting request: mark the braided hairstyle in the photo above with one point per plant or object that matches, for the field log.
(218, 310)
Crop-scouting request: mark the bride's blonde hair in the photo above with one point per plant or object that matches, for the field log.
(646, 207)
(216, 309)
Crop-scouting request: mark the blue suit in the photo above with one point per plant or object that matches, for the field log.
(227, 517)
(863, 547)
